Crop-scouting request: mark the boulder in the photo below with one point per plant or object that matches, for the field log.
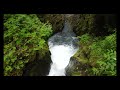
(78, 65)
(38, 67)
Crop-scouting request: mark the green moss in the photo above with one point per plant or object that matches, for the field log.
(78, 56)
(56, 20)
(76, 74)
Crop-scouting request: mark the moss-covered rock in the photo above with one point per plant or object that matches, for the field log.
(96, 24)
(73, 63)
(24, 34)
(40, 66)
(76, 68)
(79, 69)
(56, 20)
(82, 56)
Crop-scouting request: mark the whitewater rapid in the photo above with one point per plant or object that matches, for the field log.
(62, 46)
(60, 56)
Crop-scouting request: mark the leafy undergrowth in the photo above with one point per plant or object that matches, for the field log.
(99, 53)
(23, 36)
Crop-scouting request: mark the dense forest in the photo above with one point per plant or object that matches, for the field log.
(26, 42)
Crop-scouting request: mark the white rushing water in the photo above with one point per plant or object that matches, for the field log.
(60, 55)
(62, 47)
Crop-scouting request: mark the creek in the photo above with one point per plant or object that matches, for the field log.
(62, 46)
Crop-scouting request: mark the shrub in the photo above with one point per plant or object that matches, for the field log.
(99, 54)
(105, 53)
(23, 36)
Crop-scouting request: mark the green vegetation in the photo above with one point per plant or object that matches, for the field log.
(26, 35)
(23, 36)
(105, 51)
(95, 24)
(99, 53)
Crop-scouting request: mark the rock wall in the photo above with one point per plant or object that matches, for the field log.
(56, 20)
(96, 24)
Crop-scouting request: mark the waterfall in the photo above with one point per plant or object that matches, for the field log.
(62, 46)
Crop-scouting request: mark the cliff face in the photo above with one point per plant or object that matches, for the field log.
(56, 20)
(96, 24)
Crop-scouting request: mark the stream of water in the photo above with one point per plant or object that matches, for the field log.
(62, 46)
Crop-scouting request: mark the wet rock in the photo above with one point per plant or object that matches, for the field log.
(76, 68)
(38, 67)
(78, 65)
(73, 63)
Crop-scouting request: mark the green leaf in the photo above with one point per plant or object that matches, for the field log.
(18, 42)
(112, 67)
